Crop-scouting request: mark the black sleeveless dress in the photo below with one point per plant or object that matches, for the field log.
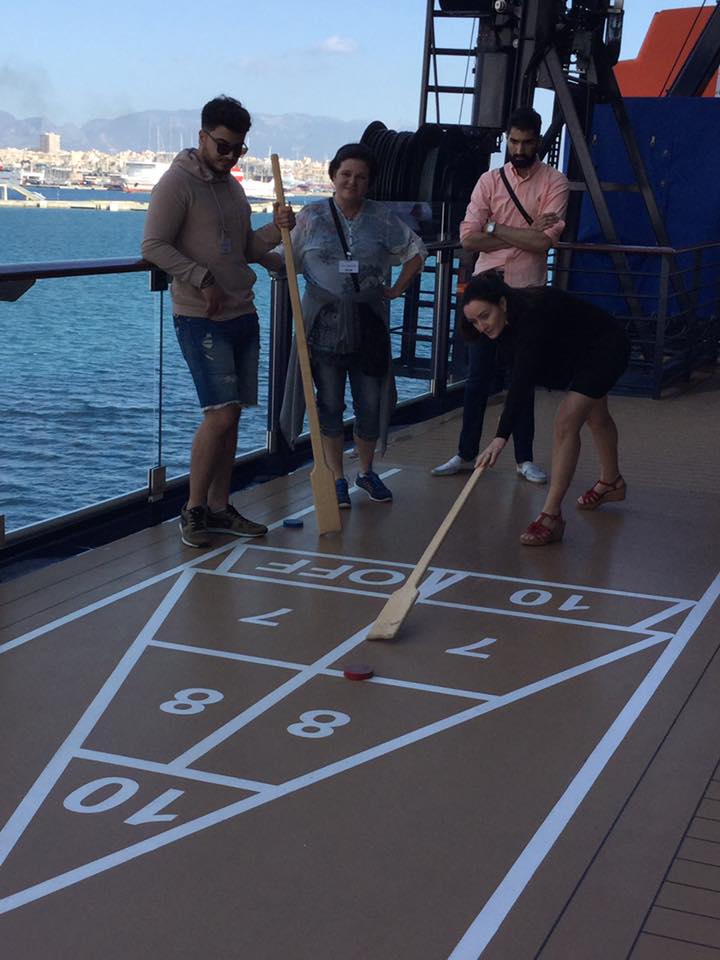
(556, 340)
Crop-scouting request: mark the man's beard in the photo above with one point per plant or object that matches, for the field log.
(220, 169)
(521, 161)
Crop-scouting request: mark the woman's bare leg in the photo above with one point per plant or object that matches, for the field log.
(605, 437)
(572, 413)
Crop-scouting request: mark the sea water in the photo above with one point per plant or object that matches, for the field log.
(83, 415)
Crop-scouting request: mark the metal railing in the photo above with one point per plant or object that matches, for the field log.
(668, 299)
(672, 319)
(420, 322)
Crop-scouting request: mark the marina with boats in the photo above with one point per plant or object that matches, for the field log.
(17, 197)
(533, 769)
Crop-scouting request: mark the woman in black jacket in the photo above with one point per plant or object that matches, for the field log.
(549, 338)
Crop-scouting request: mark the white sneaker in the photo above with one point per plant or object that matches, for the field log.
(454, 465)
(532, 472)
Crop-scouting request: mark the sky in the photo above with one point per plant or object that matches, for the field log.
(75, 62)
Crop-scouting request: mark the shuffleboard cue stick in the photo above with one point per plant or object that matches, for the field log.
(393, 614)
(321, 477)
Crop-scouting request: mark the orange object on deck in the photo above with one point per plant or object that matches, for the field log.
(667, 45)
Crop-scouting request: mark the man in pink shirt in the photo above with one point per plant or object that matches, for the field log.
(512, 238)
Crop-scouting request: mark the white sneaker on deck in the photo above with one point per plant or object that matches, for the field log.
(454, 465)
(532, 472)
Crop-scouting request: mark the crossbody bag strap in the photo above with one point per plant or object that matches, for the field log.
(343, 241)
(514, 197)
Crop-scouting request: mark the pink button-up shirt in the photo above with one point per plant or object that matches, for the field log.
(544, 190)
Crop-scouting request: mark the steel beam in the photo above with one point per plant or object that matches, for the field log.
(701, 63)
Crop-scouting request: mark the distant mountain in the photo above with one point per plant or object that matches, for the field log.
(290, 135)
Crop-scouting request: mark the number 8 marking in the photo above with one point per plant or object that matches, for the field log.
(312, 726)
(191, 700)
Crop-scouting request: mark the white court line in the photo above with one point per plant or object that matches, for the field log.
(265, 703)
(237, 551)
(228, 655)
(230, 561)
(487, 922)
(230, 728)
(423, 687)
(31, 802)
(151, 766)
(679, 607)
(520, 613)
(436, 581)
(109, 861)
(297, 583)
(471, 574)
(328, 672)
(523, 614)
(149, 582)
(106, 601)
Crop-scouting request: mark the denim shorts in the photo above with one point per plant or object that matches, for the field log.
(329, 377)
(223, 358)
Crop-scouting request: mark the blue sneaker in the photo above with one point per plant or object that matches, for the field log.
(342, 493)
(373, 486)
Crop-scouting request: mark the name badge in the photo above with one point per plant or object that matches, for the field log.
(225, 244)
(348, 266)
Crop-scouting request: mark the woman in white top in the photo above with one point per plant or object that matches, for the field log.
(339, 277)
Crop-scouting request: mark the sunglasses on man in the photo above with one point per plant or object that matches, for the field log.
(224, 148)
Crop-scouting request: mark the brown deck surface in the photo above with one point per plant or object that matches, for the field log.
(532, 772)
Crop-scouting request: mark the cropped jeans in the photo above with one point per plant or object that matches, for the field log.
(330, 375)
(223, 358)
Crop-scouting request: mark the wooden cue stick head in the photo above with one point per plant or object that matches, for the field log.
(393, 614)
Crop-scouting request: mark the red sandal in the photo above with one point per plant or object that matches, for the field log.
(591, 499)
(539, 534)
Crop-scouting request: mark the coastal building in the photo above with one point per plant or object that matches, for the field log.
(50, 143)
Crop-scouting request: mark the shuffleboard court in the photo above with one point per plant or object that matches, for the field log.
(188, 771)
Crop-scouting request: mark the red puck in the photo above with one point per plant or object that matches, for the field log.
(357, 671)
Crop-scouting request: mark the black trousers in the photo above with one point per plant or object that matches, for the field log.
(484, 378)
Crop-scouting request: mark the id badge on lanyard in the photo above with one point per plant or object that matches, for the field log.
(348, 266)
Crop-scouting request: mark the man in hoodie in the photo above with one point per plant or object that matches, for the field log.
(198, 231)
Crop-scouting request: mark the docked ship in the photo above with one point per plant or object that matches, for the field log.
(256, 189)
(140, 176)
(190, 765)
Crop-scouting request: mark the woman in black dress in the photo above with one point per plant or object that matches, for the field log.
(552, 339)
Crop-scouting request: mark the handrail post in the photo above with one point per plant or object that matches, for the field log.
(661, 325)
(693, 325)
(156, 474)
(280, 343)
(441, 321)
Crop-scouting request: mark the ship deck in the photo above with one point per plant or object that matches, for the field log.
(531, 772)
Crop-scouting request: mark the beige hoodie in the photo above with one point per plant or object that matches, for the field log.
(194, 215)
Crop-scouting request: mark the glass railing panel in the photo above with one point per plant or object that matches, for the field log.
(95, 390)
(79, 395)
(457, 347)
(411, 325)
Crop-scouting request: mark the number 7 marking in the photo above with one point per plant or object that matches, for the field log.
(467, 651)
(263, 619)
